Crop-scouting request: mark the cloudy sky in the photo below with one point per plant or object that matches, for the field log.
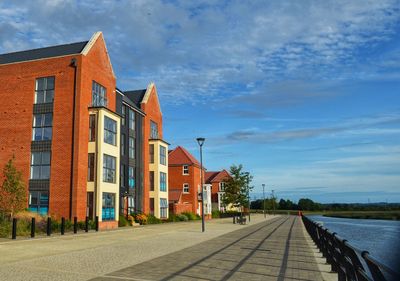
(305, 94)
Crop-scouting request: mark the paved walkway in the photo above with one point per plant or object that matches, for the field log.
(266, 249)
(272, 250)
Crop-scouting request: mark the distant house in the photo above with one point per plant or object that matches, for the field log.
(184, 178)
(215, 181)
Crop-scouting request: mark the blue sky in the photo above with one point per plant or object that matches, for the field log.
(305, 94)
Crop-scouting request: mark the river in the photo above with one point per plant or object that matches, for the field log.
(381, 238)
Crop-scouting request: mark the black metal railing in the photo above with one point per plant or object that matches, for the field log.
(350, 263)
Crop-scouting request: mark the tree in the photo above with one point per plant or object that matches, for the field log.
(237, 187)
(12, 190)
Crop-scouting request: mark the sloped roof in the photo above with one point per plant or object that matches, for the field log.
(42, 53)
(180, 156)
(136, 96)
(174, 195)
(217, 176)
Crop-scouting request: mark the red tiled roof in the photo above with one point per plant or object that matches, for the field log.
(180, 156)
(218, 176)
(174, 195)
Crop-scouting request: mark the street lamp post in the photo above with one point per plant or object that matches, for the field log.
(200, 141)
(273, 201)
(248, 192)
(263, 185)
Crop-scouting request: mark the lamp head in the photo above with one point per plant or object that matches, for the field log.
(263, 185)
(200, 141)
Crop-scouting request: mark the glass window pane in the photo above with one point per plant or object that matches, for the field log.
(47, 133)
(45, 158)
(36, 158)
(49, 96)
(50, 83)
(37, 134)
(39, 97)
(40, 83)
(37, 120)
(48, 119)
(35, 172)
(45, 172)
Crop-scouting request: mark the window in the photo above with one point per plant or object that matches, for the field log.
(163, 181)
(122, 175)
(151, 177)
(40, 165)
(131, 148)
(131, 181)
(151, 206)
(99, 95)
(92, 127)
(131, 119)
(163, 207)
(109, 168)
(39, 202)
(42, 126)
(90, 176)
(44, 91)
(185, 188)
(151, 149)
(110, 131)
(123, 113)
(163, 155)
(153, 130)
(221, 186)
(122, 144)
(186, 169)
(108, 208)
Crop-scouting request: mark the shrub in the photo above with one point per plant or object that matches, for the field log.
(141, 218)
(190, 216)
(151, 219)
(122, 221)
(215, 214)
(182, 217)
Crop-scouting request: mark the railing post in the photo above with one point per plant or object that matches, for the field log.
(62, 226)
(14, 229)
(97, 223)
(75, 224)
(86, 224)
(48, 226)
(33, 226)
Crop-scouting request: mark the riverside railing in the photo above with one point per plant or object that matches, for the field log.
(349, 262)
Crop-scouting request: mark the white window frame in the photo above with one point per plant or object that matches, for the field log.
(186, 186)
(185, 170)
(221, 186)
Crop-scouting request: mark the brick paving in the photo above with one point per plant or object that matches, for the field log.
(272, 250)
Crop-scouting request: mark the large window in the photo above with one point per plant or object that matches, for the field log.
(108, 208)
(151, 206)
(40, 165)
(39, 202)
(123, 113)
(131, 181)
(110, 131)
(163, 208)
(151, 178)
(163, 155)
(153, 130)
(92, 127)
(44, 92)
(131, 119)
(42, 126)
(186, 169)
(185, 188)
(221, 186)
(99, 95)
(109, 168)
(90, 176)
(131, 148)
(163, 181)
(122, 144)
(151, 150)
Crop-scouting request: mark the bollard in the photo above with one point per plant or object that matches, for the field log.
(62, 226)
(48, 226)
(97, 223)
(14, 229)
(234, 220)
(75, 224)
(86, 224)
(33, 225)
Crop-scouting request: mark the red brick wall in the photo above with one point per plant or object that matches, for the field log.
(179, 208)
(153, 113)
(17, 89)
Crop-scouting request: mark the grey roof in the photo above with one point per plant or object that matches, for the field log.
(136, 96)
(48, 52)
(131, 103)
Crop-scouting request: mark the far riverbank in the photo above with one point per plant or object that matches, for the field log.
(376, 215)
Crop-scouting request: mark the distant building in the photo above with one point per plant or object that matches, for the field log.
(185, 182)
(215, 181)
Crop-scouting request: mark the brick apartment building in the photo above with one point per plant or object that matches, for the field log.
(184, 183)
(61, 118)
(215, 181)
